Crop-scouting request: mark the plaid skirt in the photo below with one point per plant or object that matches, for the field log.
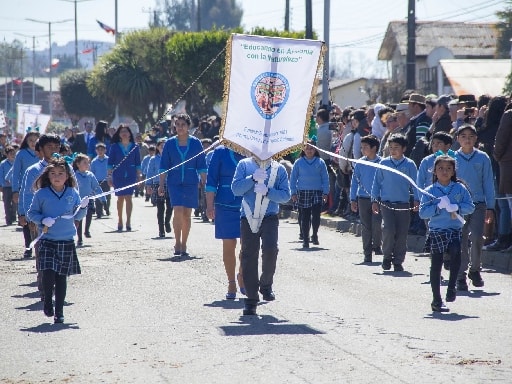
(155, 197)
(58, 256)
(438, 240)
(308, 198)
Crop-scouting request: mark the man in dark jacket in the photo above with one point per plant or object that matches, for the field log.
(420, 122)
(442, 122)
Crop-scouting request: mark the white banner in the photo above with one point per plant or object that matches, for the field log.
(22, 109)
(3, 122)
(36, 120)
(270, 88)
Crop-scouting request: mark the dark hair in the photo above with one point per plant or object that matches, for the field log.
(495, 112)
(310, 141)
(447, 159)
(116, 138)
(398, 138)
(24, 142)
(184, 117)
(323, 114)
(101, 130)
(445, 137)
(371, 140)
(43, 181)
(78, 158)
(47, 138)
(9, 149)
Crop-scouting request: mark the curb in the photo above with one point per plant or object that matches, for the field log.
(500, 261)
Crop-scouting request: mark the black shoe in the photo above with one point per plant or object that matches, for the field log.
(367, 259)
(377, 251)
(475, 278)
(48, 309)
(249, 309)
(168, 227)
(87, 234)
(451, 295)
(205, 219)
(397, 267)
(301, 237)
(438, 306)
(161, 234)
(27, 254)
(268, 294)
(314, 240)
(196, 212)
(58, 319)
(386, 264)
(305, 244)
(462, 285)
(79, 243)
(107, 212)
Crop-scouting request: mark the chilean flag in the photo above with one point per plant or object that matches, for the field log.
(88, 50)
(106, 28)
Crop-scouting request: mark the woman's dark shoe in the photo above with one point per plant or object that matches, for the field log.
(119, 227)
(451, 295)
(161, 234)
(314, 240)
(48, 309)
(128, 227)
(58, 319)
(305, 244)
(268, 294)
(438, 306)
(249, 309)
(27, 254)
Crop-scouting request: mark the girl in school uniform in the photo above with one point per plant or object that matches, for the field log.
(445, 228)
(55, 206)
(87, 186)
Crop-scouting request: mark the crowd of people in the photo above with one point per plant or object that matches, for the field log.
(433, 166)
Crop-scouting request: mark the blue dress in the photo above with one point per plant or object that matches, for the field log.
(183, 180)
(227, 206)
(124, 161)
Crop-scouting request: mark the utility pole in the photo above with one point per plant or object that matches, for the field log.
(325, 78)
(309, 19)
(76, 29)
(411, 45)
(33, 64)
(198, 15)
(287, 16)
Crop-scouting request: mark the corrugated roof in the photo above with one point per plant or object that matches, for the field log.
(463, 39)
(477, 77)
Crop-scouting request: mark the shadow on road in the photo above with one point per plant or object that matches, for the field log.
(267, 325)
(449, 316)
(226, 304)
(49, 327)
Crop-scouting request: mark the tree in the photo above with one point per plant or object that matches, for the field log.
(504, 27)
(137, 76)
(78, 101)
(185, 15)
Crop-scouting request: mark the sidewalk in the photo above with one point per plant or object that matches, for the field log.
(499, 261)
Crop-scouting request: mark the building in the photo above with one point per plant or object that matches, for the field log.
(350, 92)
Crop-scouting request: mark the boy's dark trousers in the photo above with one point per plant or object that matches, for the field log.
(437, 264)
(99, 204)
(396, 220)
(9, 207)
(371, 232)
(268, 234)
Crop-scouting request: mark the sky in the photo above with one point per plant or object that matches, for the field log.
(356, 28)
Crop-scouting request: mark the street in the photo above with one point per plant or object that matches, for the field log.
(134, 316)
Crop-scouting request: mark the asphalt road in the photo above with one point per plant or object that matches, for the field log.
(134, 316)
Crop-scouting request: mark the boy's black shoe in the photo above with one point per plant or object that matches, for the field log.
(268, 294)
(27, 254)
(438, 306)
(475, 278)
(249, 309)
(398, 267)
(368, 259)
(48, 309)
(168, 227)
(314, 239)
(87, 234)
(451, 295)
(58, 319)
(377, 251)
(305, 244)
(386, 264)
(462, 285)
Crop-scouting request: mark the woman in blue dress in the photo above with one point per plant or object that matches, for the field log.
(183, 158)
(224, 207)
(123, 170)
(100, 136)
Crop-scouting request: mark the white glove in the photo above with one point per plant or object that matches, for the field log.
(85, 202)
(261, 188)
(452, 208)
(259, 175)
(444, 202)
(48, 221)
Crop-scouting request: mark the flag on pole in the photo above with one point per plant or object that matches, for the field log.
(88, 50)
(270, 88)
(106, 28)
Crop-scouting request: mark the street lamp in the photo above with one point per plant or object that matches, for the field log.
(33, 63)
(50, 43)
(76, 29)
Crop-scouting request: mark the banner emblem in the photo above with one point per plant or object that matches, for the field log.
(269, 93)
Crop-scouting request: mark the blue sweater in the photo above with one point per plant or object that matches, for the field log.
(220, 175)
(440, 219)
(362, 179)
(24, 159)
(144, 164)
(388, 186)
(475, 169)
(88, 185)
(5, 167)
(99, 168)
(243, 185)
(153, 169)
(48, 203)
(425, 171)
(172, 155)
(309, 175)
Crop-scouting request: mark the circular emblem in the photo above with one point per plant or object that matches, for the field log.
(269, 93)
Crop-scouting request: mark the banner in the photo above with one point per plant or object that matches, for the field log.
(270, 90)
(36, 120)
(28, 108)
(3, 122)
